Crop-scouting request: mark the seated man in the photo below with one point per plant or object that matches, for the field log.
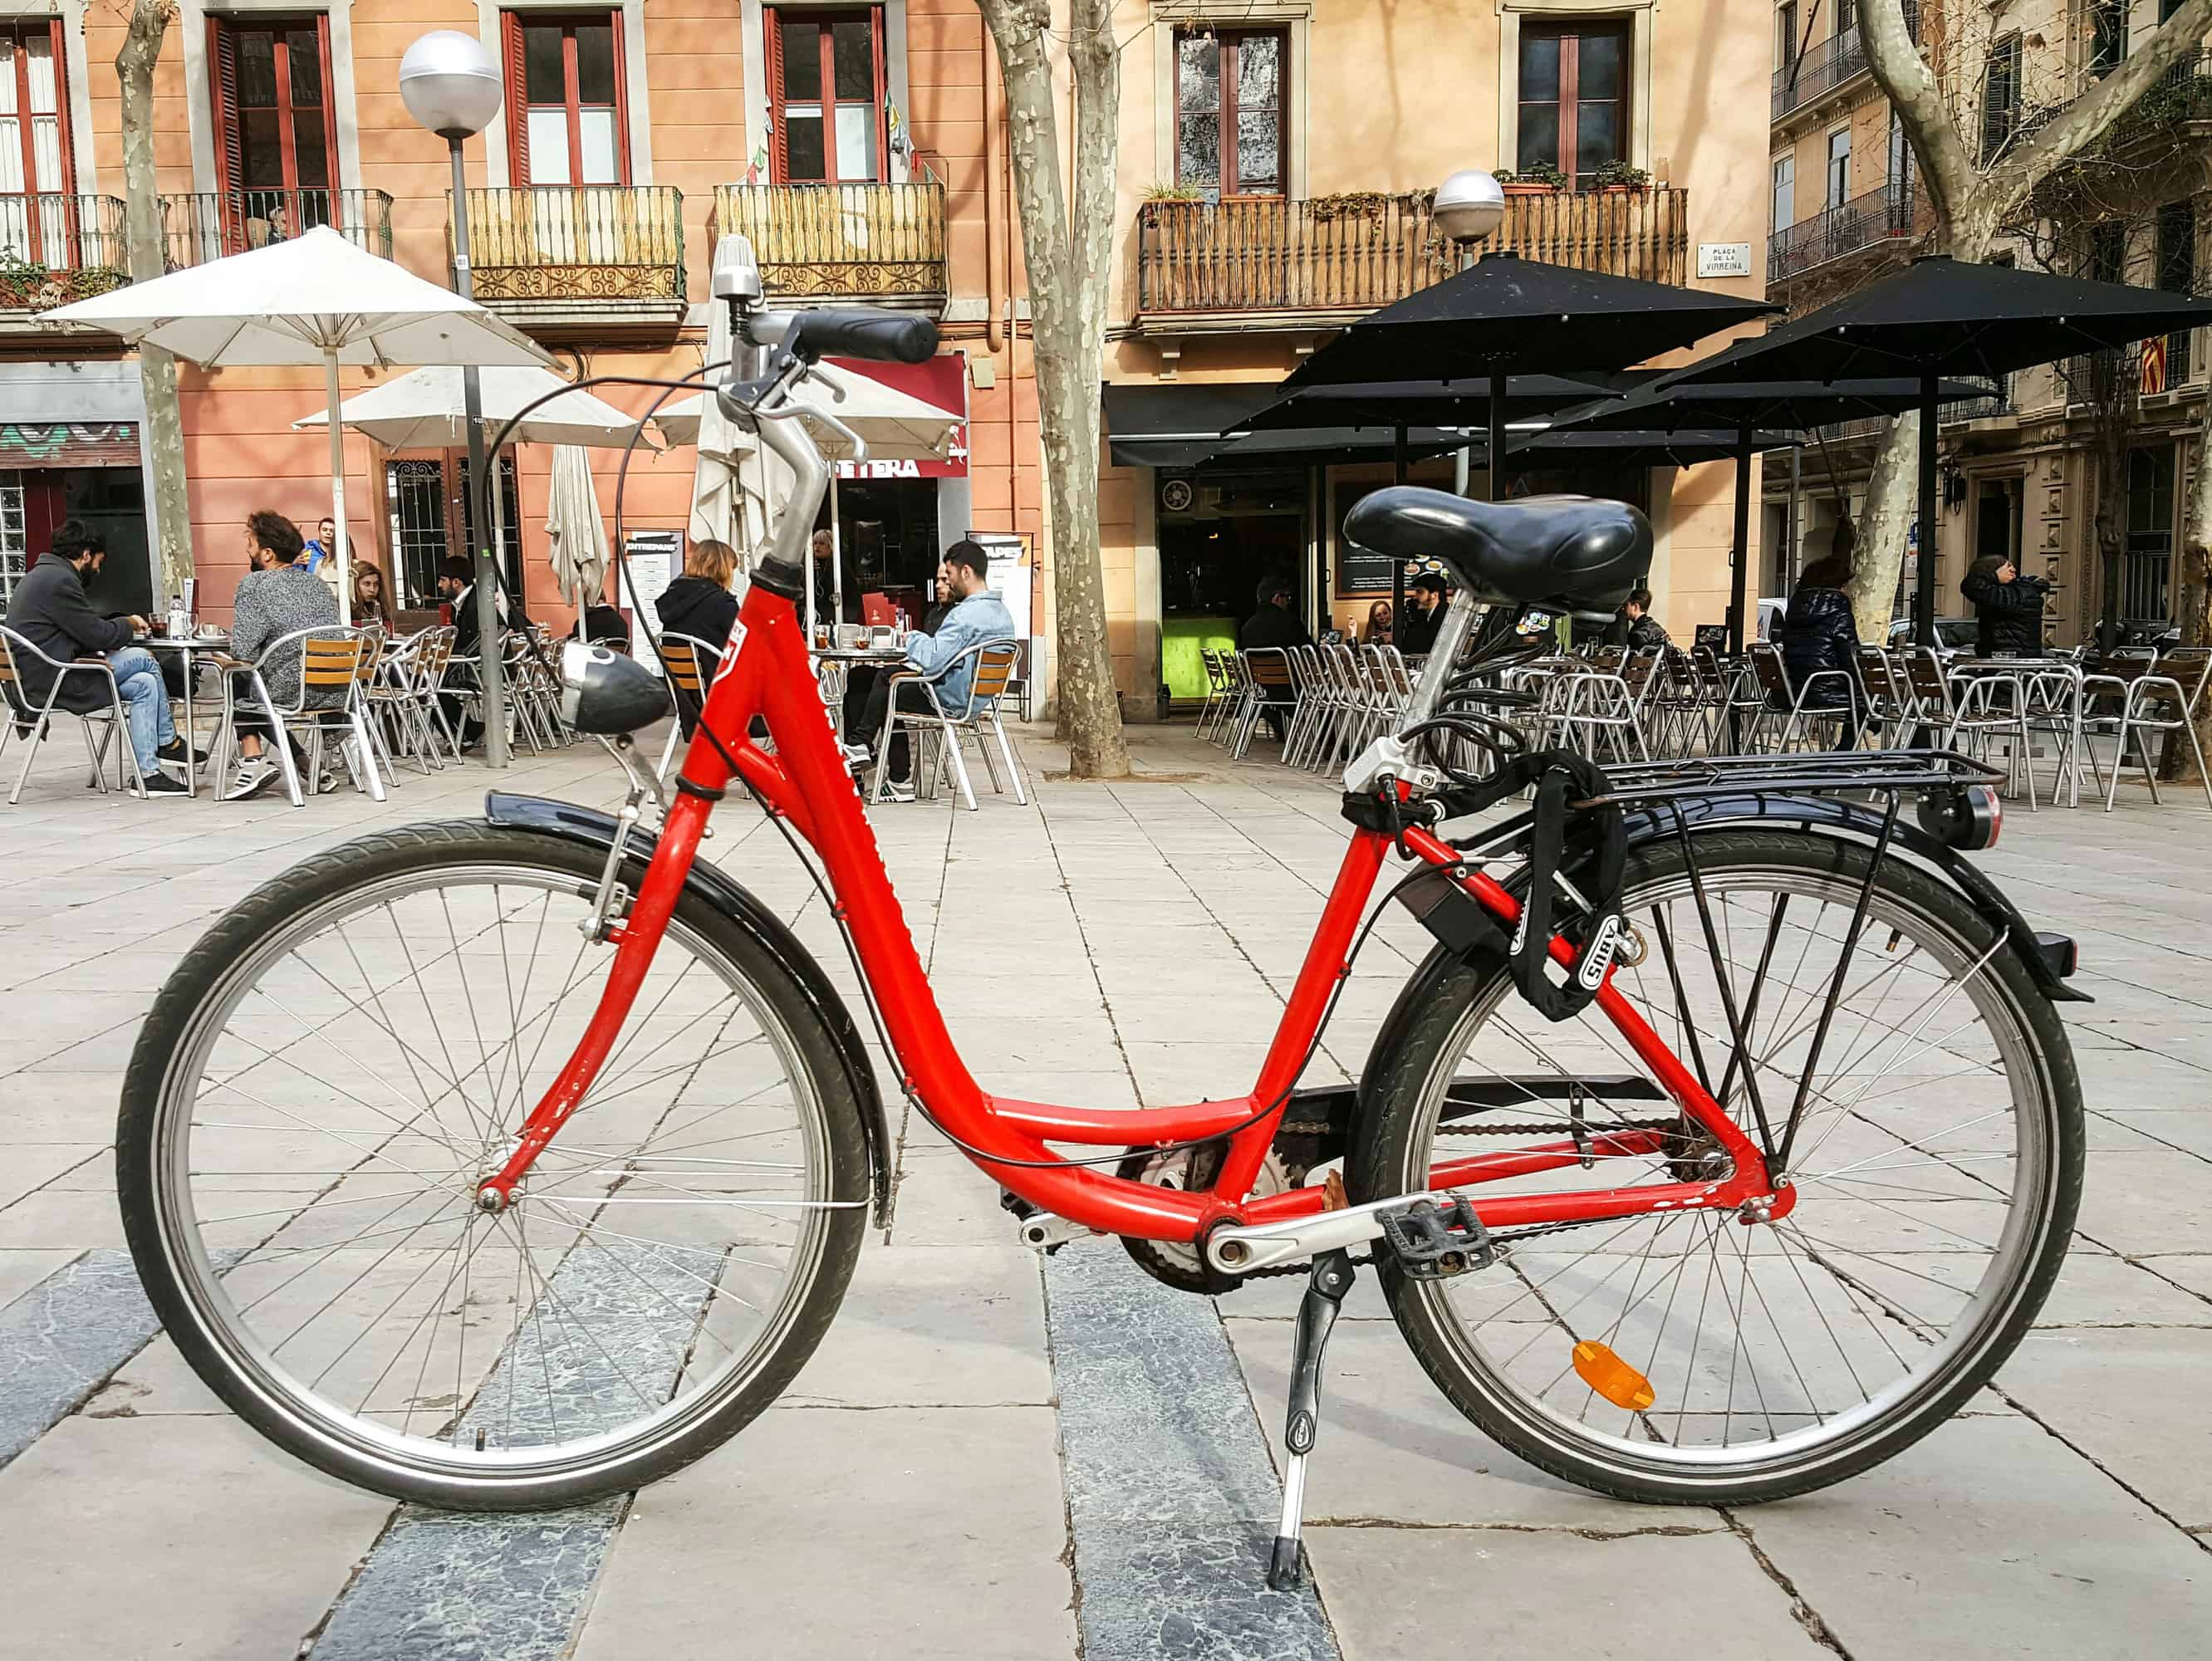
(976, 616)
(277, 597)
(1274, 624)
(50, 611)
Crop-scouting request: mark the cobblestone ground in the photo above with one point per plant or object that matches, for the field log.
(995, 1457)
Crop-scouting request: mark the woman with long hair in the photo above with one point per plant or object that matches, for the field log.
(1378, 632)
(370, 604)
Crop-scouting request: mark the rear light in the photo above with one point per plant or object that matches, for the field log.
(1967, 817)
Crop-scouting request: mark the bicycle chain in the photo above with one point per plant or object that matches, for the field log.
(1531, 1233)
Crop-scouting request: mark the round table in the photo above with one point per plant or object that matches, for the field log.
(186, 646)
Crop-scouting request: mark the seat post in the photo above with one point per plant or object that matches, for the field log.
(1451, 636)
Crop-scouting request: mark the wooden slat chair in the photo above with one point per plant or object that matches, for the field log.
(21, 717)
(994, 664)
(329, 664)
(689, 664)
(1266, 672)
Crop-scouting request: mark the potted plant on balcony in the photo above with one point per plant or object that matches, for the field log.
(1539, 179)
(1616, 176)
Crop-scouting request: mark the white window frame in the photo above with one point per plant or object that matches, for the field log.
(1637, 13)
(1830, 197)
(1294, 17)
(498, 169)
(753, 39)
(1776, 187)
(199, 97)
(75, 74)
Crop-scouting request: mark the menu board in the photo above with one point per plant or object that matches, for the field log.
(652, 560)
(1360, 572)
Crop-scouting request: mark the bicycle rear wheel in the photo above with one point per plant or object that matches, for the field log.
(331, 1072)
(1935, 1167)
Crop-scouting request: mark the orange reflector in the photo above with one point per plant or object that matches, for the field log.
(1613, 1378)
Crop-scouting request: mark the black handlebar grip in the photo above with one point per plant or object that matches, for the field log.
(856, 332)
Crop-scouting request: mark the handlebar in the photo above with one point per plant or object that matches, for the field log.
(878, 337)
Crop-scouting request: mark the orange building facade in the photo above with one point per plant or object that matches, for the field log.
(1275, 157)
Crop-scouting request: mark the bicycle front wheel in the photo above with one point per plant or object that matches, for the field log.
(333, 1069)
(1697, 1357)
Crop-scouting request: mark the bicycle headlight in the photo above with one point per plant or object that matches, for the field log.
(605, 692)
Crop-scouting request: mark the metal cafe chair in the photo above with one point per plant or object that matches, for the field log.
(20, 719)
(690, 663)
(1266, 669)
(2163, 695)
(993, 665)
(330, 699)
(1218, 689)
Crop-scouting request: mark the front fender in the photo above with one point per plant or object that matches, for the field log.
(591, 828)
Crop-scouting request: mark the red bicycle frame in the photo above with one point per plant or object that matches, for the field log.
(806, 781)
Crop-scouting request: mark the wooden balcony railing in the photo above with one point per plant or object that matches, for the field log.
(209, 224)
(879, 241)
(55, 249)
(578, 243)
(1354, 253)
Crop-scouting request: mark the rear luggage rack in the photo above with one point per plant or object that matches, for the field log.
(1820, 774)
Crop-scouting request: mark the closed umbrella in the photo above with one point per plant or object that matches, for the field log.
(316, 299)
(1942, 317)
(723, 509)
(894, 426)
(575, 536)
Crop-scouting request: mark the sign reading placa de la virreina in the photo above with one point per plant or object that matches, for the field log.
(1724, 260)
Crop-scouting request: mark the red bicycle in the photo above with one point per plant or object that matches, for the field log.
(512, 1162)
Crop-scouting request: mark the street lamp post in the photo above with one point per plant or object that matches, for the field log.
(451, 85)
(1471, 205)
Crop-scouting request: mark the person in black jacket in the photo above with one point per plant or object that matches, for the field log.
(1820, 636)
(2007, 607)
(1416, 631)
(50, 611)
(699, 603)
(1274, 624)
(1634, 627)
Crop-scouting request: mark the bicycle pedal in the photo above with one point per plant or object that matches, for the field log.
(1435, 1242)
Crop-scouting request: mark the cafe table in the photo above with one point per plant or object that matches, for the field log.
(191, 648)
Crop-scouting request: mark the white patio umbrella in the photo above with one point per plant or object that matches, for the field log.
(422, 410)
(723, 508)
(896, 426)
(316, 299)
(574, 531)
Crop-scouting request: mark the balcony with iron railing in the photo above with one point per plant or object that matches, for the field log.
(554, 258)
(1883, 214)
(207, 225)
(1301, 262)
(1821, 68)
(2176, 106)
(879, 242)
(56, 248)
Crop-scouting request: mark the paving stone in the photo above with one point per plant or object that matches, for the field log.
(20, 1271)
(147, 1537)
(60, 1340)
(828, 1532)
(2125, 1399)
(27, 1168)
(2140, 1203)
(935, 1325)
(1391, 1592)
(1990, 1538)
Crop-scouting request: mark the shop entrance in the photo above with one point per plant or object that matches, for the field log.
(1220, 535)
(110, 500)
(888, 543)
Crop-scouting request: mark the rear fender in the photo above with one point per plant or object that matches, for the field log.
(587, 828)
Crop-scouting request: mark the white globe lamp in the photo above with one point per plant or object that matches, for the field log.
(450, 84)
(1470, 205)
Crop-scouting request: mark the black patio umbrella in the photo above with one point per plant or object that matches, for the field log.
(1463, 404)
(1505, 316)
(1672, 402)
(1939, 317)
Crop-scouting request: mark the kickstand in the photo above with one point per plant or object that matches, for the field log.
(1317, 1313)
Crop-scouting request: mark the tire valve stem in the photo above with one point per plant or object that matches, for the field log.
(480, 1439)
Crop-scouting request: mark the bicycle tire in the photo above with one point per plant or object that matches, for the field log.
(176, 1266)
(1447, 1002)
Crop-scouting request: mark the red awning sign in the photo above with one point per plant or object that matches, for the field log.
(943, 381)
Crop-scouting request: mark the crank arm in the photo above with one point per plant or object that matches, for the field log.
(1240, 1248)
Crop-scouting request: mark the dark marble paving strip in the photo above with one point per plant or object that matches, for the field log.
(451, 1586)
(60, 1341)
(1171, 1496)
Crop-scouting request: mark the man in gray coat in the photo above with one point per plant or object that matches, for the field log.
(50, 611)
(276, 599)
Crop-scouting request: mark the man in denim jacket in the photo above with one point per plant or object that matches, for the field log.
(977, 615)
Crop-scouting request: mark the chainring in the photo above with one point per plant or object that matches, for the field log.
(1171, 1262)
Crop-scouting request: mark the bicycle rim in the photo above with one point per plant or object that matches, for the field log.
(1924, 1170)
(338, 1094)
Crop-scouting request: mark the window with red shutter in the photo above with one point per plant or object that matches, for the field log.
(567, 115)
(38, 216)
(826, 95)
(277, 126)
